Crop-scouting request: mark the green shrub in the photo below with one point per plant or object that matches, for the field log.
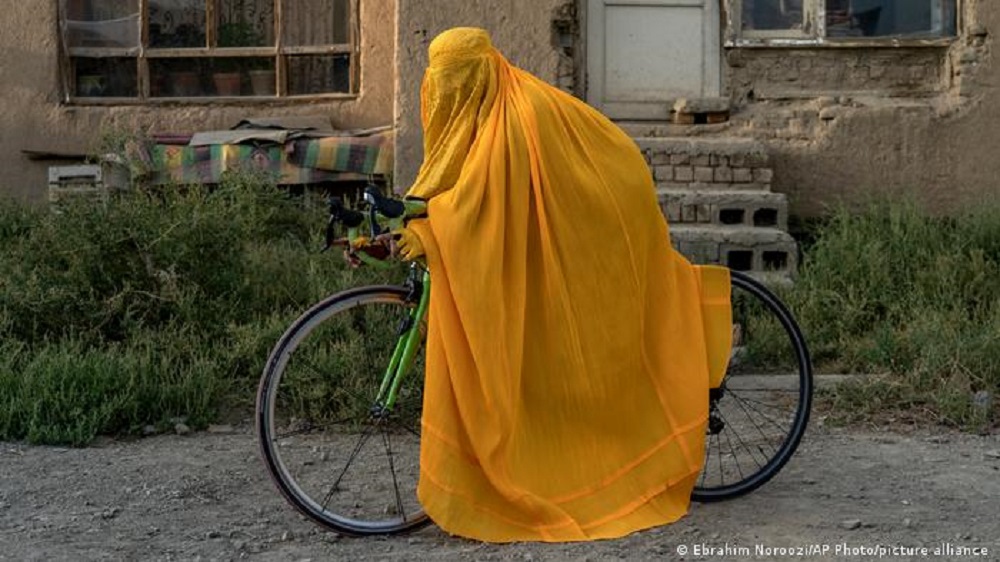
(153, 305)
(894, 291)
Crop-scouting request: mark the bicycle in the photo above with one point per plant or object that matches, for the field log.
(349, 372)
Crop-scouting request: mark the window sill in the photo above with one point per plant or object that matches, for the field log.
(234, 100)
(838, 43)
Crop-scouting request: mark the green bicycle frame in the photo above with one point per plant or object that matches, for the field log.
(408, 342)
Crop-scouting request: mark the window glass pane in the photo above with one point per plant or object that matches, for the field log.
(772, 14)
(216, 76)
(101, 23)
(897, 18)
(319, 74)
(180, 78)
(317, 22)
(246, 23)
(177, 24)
(104, 77)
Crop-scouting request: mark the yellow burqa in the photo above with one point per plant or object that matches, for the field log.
(566, 364)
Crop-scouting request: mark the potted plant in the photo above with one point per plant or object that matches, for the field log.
(261, 77)
(227, 76)
(235, 32)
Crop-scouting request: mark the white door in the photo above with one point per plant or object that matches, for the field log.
(644, 54)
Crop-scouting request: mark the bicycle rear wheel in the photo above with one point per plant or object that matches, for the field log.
(332, 450)
(759, 413)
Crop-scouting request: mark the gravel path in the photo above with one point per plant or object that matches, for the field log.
(205, 496)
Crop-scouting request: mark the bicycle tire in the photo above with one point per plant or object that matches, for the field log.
(310, 384)
(756, 311)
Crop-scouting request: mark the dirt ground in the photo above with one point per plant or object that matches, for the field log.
(205, 496)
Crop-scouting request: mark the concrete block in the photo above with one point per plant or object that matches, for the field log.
(704, 213)
(672, 211)
(699, 252)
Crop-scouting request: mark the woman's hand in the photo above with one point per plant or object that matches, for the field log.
(406, 244)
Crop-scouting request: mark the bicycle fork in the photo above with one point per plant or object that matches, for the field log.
(407, 341)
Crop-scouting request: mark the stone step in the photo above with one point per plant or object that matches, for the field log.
(739, 247)
(667, 129)
(760, 209)
(749, 152)
(726, 164)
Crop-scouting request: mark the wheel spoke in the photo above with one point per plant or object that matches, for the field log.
(387, 441)
(324, 387)
(762, 418)
(357, 449)
(744, 404)
(736, 457)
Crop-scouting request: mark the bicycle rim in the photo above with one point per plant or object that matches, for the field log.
(759, 414)
(333, 453)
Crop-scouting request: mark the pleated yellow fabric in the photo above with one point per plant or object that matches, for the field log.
(566, 364)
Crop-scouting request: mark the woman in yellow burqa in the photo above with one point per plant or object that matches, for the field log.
(567, 369)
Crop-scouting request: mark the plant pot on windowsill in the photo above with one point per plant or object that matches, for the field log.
(262, 82)
(228, 83)
(185, 83)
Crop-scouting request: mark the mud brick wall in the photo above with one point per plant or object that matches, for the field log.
(755, 74)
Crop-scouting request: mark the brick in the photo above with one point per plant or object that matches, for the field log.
(682, 118)
(737, 160)
(742, 175)
(756, 160)
(704, 174)
(716, 118)
(663, 173)
(659, 159)
(684, 173)
(680, 159)
(763, 175)
(723, 174)
(701, 160)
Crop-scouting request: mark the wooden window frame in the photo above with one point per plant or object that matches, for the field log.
(813, 32)
(279, 52)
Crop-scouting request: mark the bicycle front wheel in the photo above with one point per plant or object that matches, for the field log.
(759, 413)
(335, 453)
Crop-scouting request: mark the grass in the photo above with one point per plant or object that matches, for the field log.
(153, 306)
(163, 305)
(914, 299)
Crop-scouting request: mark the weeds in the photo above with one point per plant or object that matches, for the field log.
(893, 291)
(118, 315)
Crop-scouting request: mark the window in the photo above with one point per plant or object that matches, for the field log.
(833, 20)
(121, 50)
